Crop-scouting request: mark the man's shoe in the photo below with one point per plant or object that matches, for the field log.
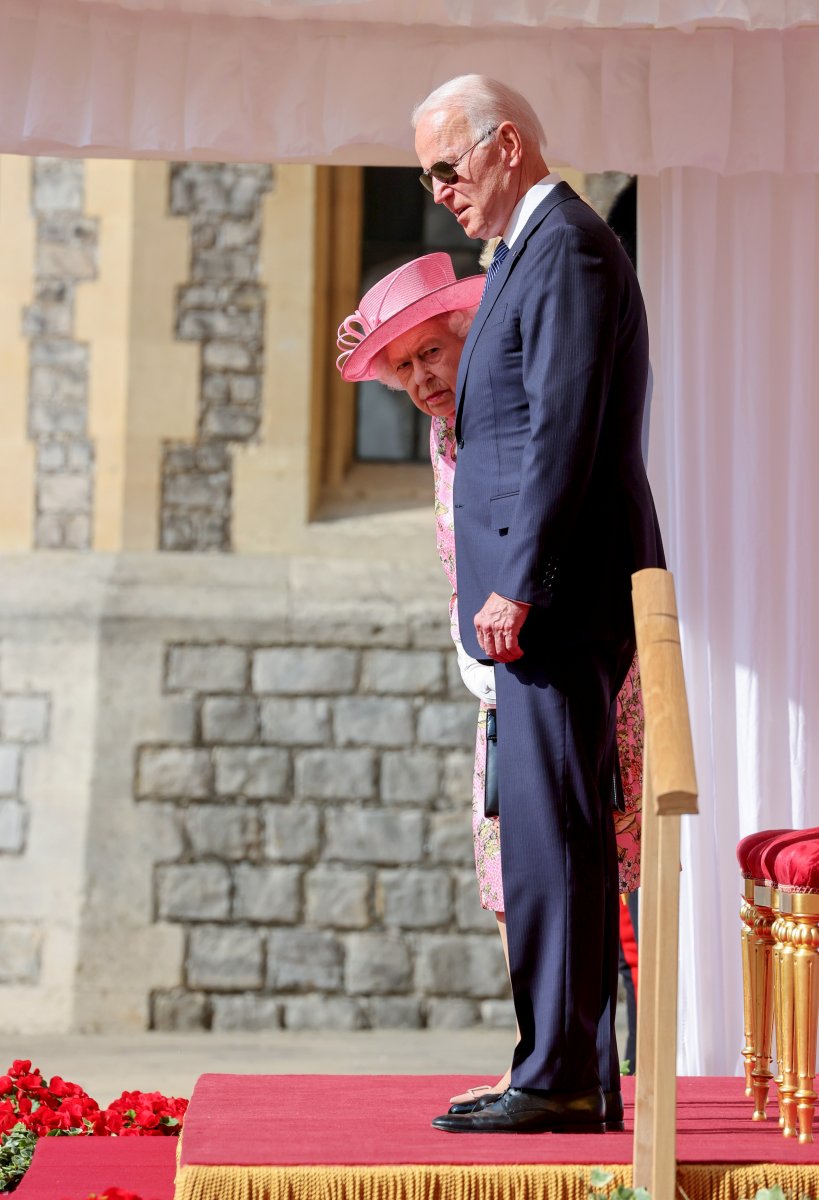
(468, 1106)
(519, 1111)
(614, 1112)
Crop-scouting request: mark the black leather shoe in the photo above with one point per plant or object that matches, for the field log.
(614, 1112)
(519, 1111)
(468, 1106)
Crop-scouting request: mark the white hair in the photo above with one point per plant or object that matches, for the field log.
(486, 103)
(458, 323)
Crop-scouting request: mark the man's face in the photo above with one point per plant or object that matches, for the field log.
(482, 197)
(425, 363)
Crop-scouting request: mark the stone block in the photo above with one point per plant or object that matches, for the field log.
(51, 456)
(10, 761)
(461, 965)
(459, 766)
(231, 423)
(410, 777)
(173, 771)
(498, 1014)
(324, 1012)
(64, 493)
(162, 830)
(468, 912)
(221, 355)
(77, 532)
(179, 1011)
(250, 1012)
(452, 1013)
(394, 1012)
(414, 899)
(80, 456)
(201, 489)
(402, 672)
(12, 827)
(193, 892)
(295, 722)
(260, 773)
(428, 634)
(21, 944)
(304, 960)
(224, 831)
(213, 668)
(338, 897)
(369, 835)
(304, 670)
(24, 718)
(246, 389)
(335, 774)
(198, 324)
(378, 964)
(57, 185)
(373, 721)
(224, 958)
(74, 257)
(449, 839)
(267, 893)
(448, 723)
(291, 833)
(229, 719)
(49, 532)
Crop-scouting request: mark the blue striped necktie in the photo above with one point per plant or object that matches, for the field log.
(501, 250)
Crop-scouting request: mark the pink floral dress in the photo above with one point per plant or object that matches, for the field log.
(486, 830)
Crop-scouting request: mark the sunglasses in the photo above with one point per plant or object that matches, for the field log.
(445, 172)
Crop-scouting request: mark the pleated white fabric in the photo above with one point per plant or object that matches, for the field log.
(731, 273)
(206, 79)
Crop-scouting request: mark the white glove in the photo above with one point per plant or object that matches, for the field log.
(478, 677)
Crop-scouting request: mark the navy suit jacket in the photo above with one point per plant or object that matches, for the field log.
(552, 502)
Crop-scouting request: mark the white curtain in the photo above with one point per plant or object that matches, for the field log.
(191, 79)
(731, 274)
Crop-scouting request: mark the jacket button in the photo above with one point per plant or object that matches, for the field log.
(460, 443)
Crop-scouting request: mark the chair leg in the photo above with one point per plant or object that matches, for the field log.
(747, 913)
(762, 972)
(784, 1008)
(806, 977)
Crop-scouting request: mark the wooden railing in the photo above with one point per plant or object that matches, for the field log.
(669, 790)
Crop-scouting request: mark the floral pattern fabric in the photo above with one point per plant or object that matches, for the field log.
(486, 830)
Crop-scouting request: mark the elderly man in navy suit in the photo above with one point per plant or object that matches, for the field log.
(553, 513)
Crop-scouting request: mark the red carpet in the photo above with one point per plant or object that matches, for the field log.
(357, 1137)
(369, 1120)
(70, 1168)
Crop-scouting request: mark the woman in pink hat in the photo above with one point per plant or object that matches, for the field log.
(408, 332)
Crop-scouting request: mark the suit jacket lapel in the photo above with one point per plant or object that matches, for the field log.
(560, 193)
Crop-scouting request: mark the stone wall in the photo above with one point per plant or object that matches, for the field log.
(323, 871)
(222, 308)
(66, 250)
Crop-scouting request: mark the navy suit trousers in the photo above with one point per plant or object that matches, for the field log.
(556, 749)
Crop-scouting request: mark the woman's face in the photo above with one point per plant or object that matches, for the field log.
(425, 363)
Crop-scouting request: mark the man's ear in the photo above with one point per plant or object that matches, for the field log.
(511, 144)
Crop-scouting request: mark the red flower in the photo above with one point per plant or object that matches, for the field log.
(6, 1084)
(20, 1066)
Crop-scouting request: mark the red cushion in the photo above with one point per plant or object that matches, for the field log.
(750, 847)
(792, 860)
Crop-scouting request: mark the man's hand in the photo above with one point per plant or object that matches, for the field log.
(498, 624)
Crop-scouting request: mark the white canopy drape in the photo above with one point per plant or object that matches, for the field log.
(335, 82)
(731, 274)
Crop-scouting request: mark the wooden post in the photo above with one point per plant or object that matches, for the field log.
(669, 789)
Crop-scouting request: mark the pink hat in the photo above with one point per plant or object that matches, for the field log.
(405, 298)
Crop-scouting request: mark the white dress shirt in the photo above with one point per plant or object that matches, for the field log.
(527, 205)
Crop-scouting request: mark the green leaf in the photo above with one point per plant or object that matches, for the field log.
(599, 1178)
(774, 1193)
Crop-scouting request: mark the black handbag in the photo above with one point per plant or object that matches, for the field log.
(491, 802)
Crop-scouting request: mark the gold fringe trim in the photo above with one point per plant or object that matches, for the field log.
(718, 1181)
(389, 1183)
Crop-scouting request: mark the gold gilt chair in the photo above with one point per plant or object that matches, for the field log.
(791, 862)
(756, 940)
